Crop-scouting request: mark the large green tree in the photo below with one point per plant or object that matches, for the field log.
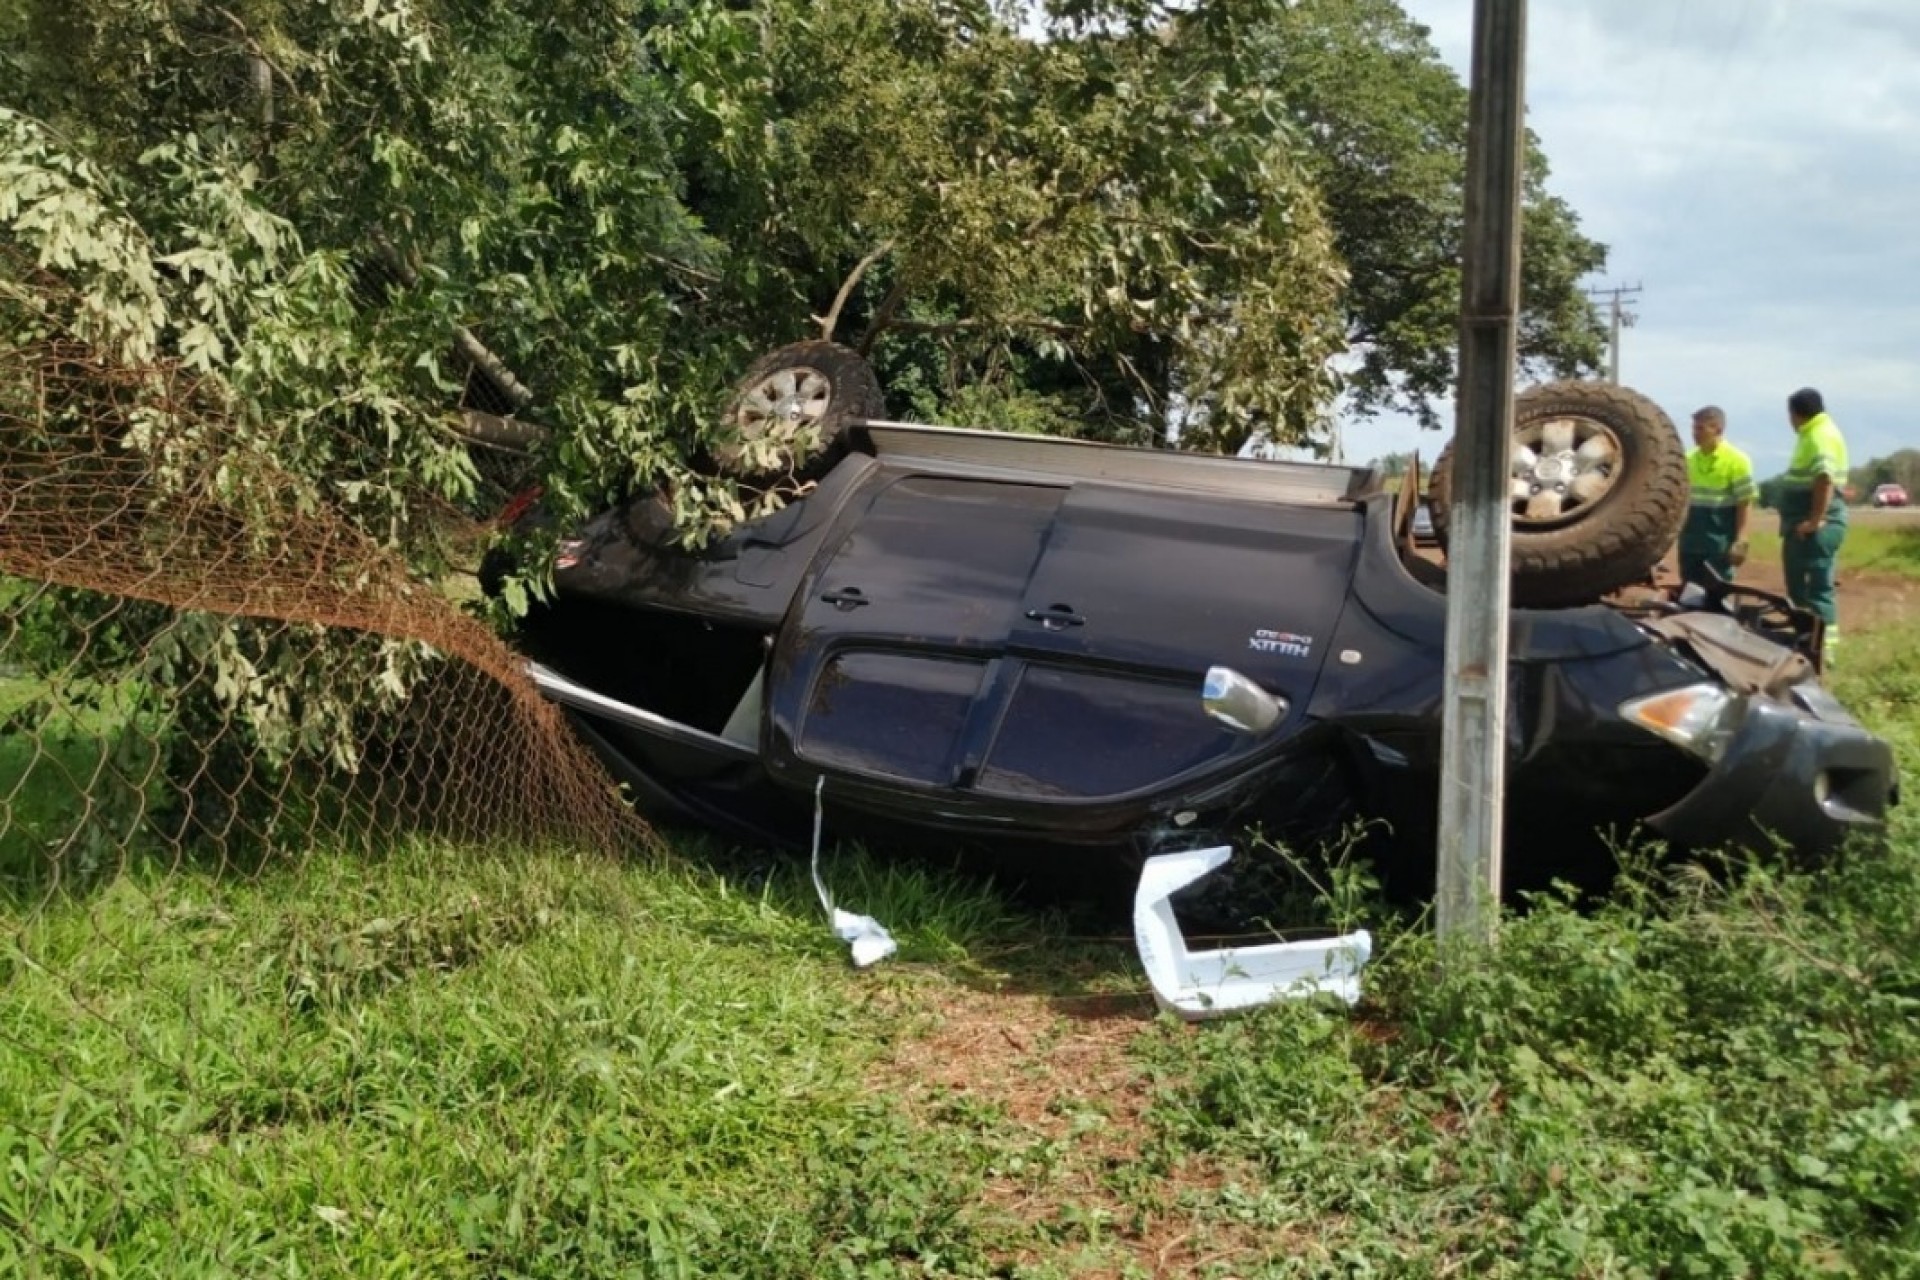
(1157, 220)
(1353, 92)
(1386, 124)
(1901, 467)
(1116, 222)
(624, 199)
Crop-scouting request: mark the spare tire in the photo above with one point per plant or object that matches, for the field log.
(799, 398)
(1599, 491)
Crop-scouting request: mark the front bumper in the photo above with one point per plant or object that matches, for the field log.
(1804, 773)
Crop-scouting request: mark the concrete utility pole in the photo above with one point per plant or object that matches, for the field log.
(1620, 318)
(1473, 746)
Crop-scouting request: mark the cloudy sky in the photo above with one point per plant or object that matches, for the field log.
(1755, 165)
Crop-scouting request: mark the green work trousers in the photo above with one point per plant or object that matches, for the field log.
(1808, 562)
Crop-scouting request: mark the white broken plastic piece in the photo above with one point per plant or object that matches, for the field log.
(1207, 984)
(869, 938)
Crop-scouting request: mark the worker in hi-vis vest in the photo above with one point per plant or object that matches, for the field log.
(1813, 512)
(1720, 494)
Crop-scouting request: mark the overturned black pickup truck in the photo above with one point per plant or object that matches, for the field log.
(1044, 643)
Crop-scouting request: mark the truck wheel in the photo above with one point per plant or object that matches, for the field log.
(1599, 491)
(787, 414)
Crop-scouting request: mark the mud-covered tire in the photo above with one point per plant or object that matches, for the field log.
(802, 396)
(1622, 453)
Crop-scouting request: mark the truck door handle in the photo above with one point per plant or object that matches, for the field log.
(845, 599)
(1057, 617)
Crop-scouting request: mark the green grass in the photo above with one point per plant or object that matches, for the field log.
(1876, 542)
(1710, 1082)
(441, 1063)
(1706, 1077)
(62, 750)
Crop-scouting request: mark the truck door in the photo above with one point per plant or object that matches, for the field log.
(880, 668)
(1136, 594)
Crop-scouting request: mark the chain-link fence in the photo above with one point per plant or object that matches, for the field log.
(208, 677)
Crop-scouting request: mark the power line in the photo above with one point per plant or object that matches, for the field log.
(1619, 318)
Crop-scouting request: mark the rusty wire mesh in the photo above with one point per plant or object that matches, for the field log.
(201, 680)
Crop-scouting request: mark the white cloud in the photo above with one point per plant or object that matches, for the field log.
(1756, 167)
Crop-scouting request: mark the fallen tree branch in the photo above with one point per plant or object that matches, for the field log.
(491, 366)
(829, 322)
(496, 432)
(883, 315)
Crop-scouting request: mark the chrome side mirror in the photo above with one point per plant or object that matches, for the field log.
(1240, 704)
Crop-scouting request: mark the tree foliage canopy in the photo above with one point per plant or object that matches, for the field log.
(1385, 123)
(349, 219)
(1901, 467)
(1151, 219)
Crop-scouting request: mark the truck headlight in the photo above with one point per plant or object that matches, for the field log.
(1699, 718)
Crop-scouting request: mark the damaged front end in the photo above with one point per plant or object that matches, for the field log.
(1786, 762)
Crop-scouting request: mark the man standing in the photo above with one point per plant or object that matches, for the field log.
(1721, 494)
(1813, 514)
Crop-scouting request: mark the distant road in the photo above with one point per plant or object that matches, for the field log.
(1884, 515)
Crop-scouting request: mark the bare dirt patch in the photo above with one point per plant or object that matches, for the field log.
(1869, 601)
(1054, 1075)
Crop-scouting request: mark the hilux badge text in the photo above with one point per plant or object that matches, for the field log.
(1289, 643)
